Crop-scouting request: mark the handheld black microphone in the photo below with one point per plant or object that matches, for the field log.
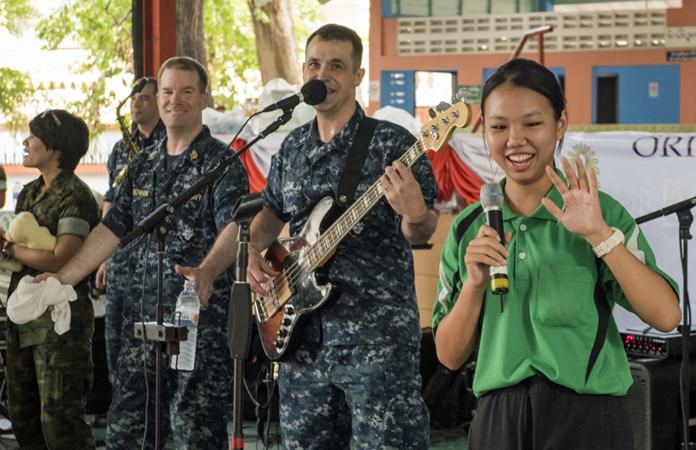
(492, 200)
(312, 93)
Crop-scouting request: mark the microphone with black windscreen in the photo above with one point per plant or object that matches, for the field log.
(138, 86)
(312, 93)
(492, 200)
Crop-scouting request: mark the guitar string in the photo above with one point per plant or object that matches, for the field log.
(409, 157)
(316, 253)
(295, 270)
(373, 194)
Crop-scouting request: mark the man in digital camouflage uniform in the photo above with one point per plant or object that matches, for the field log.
(356, 369)
(196, 404)
(114, 274)
(49, 375)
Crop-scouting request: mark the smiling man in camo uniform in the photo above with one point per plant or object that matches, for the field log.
(355, 374)
(196, 404)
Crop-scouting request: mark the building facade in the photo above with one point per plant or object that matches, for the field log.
(618, 66)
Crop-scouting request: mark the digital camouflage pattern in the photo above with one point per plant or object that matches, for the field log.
(118, 275)
(378, 385)
(196, 407)
(50, 375)
(373, 267)
(118, 157)
(204, 393)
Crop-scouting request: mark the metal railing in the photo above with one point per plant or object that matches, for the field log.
(12, 153)
(539, 33)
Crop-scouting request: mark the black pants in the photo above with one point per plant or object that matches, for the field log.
(539, 415)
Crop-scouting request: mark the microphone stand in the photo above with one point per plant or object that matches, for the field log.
(685, 217)
(239, 319)
(168, 335)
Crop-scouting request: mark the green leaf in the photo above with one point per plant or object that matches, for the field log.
(14, 14)
(16, 88)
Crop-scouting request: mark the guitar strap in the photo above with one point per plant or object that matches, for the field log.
(348, 183)
(356, 160)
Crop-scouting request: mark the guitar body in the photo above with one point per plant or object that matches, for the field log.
(295, 290)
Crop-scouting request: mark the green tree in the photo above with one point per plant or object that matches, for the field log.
(103, 29)
(15, 86)
(231, 42)
(14, 14)
(15, 89)
(230, 45)
(275, 47)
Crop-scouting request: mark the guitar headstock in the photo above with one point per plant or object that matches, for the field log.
(437, 132)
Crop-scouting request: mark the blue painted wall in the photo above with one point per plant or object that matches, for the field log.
(398, 89)
(390, 9)
(546, 5)
(635, 105)
(387, 8)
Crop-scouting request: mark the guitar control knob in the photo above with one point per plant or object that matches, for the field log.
(289, 310)
(280, 343)
(282, 332)
(286, 322)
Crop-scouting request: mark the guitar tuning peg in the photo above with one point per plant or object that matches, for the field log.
(432, 113)
(442, 106)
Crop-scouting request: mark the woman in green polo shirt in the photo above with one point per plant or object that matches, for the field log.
(551, 370)
(49, 375)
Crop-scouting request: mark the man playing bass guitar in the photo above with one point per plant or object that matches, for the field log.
(355, 369)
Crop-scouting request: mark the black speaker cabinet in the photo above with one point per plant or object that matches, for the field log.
(653, 403)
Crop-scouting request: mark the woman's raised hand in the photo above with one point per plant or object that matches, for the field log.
(581, 212)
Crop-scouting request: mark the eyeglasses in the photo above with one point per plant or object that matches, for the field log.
(53, 115)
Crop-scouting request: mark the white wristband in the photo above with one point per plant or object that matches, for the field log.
(604, 247)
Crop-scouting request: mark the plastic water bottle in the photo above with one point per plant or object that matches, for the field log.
(188, 308)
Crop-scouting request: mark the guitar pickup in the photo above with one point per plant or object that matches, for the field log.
(274, 296)
(261, 313)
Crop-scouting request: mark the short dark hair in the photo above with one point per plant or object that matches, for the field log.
(186, 63)
(334, 32)
(528, 74)
(148, 80)
(64, 132)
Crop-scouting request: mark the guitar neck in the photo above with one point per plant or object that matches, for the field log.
(328, 241)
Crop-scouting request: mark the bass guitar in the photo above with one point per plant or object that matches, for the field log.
(295, 291)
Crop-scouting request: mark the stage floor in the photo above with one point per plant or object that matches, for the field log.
(440, 440)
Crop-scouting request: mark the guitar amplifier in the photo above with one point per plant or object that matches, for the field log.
(653, 344)
(653, 403)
